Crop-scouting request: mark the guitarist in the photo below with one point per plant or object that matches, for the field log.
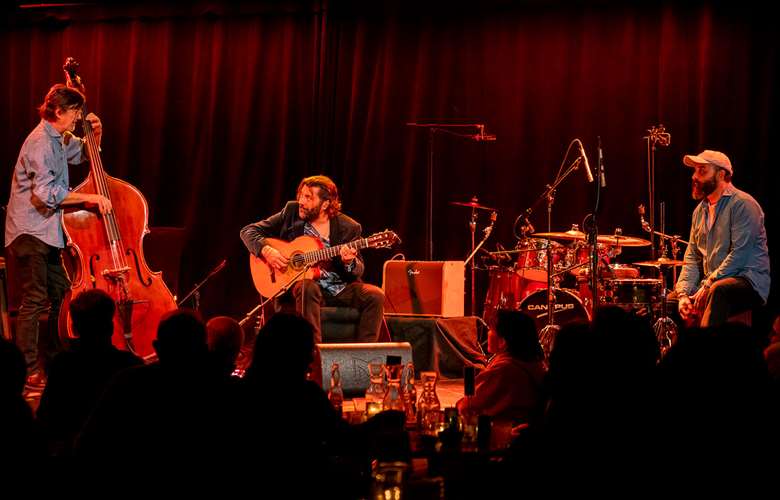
(317, 213)
(726, 267)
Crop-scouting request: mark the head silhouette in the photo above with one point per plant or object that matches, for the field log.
(225, 338)
(92, 316)
(181, 338)
(285, 346)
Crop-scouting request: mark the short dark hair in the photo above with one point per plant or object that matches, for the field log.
(287, 343)
(328, 191)
(60, 97)
(519, 332)
(181, 337)
(92, 314)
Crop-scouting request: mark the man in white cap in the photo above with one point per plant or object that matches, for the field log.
(726, 267)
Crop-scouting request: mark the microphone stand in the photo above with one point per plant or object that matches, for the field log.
(548, 333)
(195, 291)
(656, 135)
(280, 292)
(447, 129)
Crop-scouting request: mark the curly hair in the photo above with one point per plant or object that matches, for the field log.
(327, 191)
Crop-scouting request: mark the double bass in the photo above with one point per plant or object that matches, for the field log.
(106, 251)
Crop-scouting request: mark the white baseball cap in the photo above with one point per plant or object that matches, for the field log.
(708, 157)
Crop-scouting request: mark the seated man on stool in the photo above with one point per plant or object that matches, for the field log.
(317, 213)
(726, 267)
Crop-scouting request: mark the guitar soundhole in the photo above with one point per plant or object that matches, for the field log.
(297, 262)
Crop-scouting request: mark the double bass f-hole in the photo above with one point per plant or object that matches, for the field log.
(146, 282)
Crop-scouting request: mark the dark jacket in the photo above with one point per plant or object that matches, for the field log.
(287, 225)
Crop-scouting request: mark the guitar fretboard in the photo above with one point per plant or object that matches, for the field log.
(330, 252)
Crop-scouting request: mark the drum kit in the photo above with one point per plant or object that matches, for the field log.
(573, 272)
(519, 278)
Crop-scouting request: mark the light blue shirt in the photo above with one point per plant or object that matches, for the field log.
(40, 184)
(735, 245)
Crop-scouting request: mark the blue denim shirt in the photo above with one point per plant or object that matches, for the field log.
(329, 281)
(735, 246)
(40, 183)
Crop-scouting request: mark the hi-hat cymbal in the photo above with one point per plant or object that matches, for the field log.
(471, 204)
(660, 262)
(623, 241)
(570, 235)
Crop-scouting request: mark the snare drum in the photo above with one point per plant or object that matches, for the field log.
(622, 271)
(635, 292)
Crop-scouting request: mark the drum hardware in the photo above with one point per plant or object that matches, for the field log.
(469, 260)
(665, 328)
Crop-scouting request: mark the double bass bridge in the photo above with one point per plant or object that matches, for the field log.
(117, 275)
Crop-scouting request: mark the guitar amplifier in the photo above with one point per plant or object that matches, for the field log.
(424, 287)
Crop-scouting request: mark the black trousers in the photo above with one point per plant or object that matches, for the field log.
(727, 297)
(368, 299)
(43, 283)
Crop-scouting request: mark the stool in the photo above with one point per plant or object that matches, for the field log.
(340, 324)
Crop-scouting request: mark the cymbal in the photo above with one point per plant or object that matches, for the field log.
(624, 241)
(662, 261)
(571, 235)
(471, 204)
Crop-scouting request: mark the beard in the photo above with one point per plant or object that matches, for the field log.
(310, 214)
(703, 189)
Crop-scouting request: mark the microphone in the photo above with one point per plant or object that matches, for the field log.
(482, 136)
(585, 162)
(602, 178)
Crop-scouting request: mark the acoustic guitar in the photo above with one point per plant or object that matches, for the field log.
(304, 252)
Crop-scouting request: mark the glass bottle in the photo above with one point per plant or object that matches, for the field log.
(388, 480)
(409, 394)
(428, 407)
(468, 416)
(392, 399)
(336, 392)
(376, 387)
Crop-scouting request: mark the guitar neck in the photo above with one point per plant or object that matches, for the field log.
(330, 252)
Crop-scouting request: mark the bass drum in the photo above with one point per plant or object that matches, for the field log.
(506, 290)
(568, 308)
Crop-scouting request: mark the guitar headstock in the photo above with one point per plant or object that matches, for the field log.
(385, 239)
(72, 78)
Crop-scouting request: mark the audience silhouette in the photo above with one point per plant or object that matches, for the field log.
(78, 376)
(20, 436)
(173, 408)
